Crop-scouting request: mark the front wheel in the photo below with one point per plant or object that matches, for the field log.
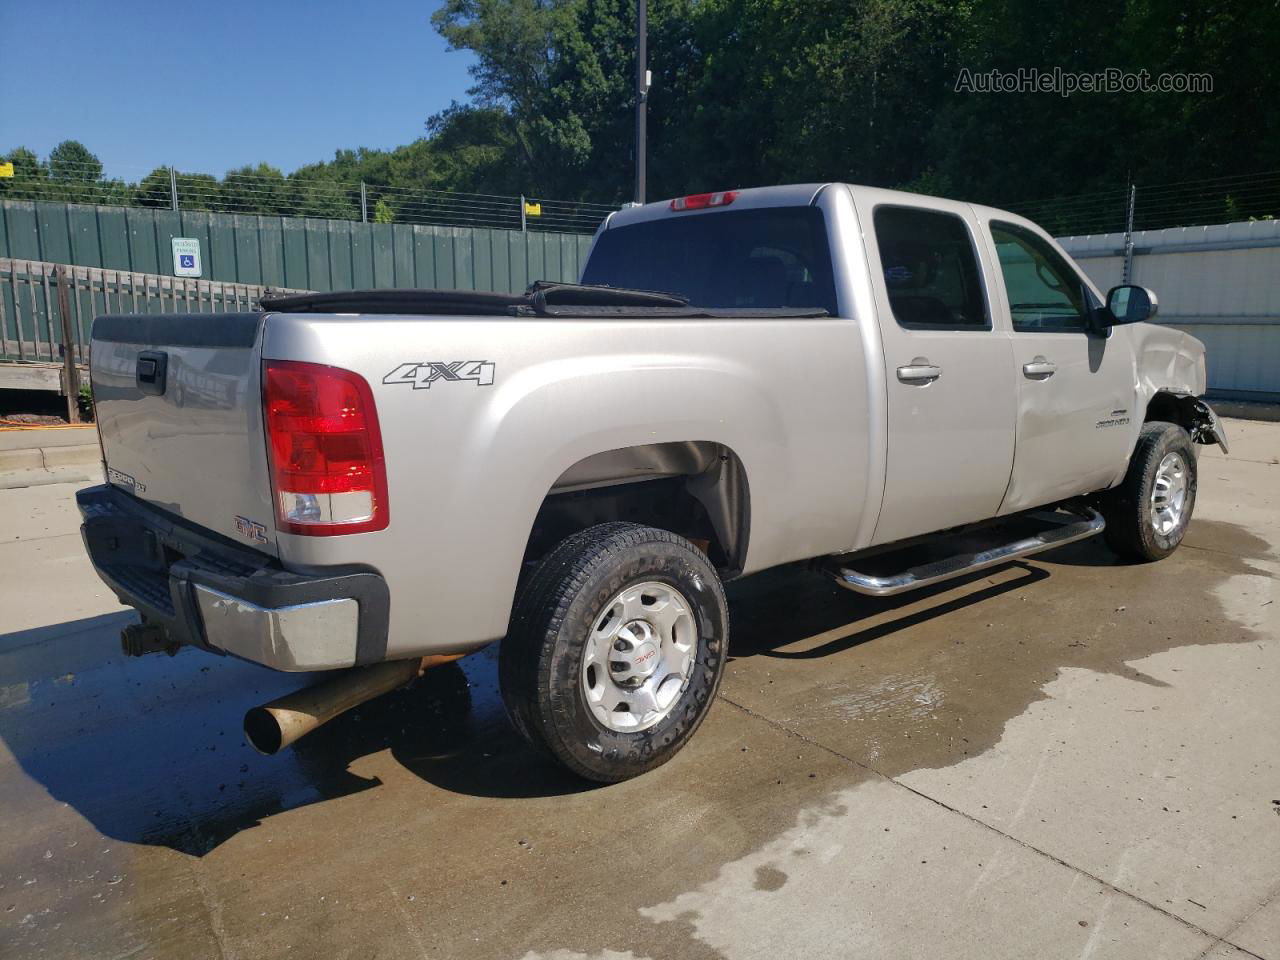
(1148, 513)
(616, 649)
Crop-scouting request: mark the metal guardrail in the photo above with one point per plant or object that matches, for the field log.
(47, 309)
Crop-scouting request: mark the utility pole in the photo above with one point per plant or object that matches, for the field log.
(642, 93)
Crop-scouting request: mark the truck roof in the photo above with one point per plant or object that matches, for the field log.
(790, 195)
(787, 195)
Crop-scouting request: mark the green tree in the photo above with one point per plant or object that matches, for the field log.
(382, 212)
(28, 177)
(315, 191)
(250, 189)
(72, 161)
(153, 189)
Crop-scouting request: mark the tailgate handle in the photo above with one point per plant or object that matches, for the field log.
(152, 367)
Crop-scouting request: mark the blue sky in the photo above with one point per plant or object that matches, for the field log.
(211, 86)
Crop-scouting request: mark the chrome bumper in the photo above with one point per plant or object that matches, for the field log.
(304, 636)
(198, 589)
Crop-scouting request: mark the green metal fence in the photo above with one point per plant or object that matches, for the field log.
(302, 253)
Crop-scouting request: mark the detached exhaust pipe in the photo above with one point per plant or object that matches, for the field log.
(273, 726)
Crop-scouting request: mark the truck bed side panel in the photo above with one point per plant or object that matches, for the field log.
(469, 462)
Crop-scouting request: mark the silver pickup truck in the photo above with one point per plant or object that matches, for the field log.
(893, 388)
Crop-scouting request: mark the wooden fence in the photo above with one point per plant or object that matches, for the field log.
(47, 311)
(33, 295)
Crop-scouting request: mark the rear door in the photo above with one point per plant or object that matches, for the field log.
(948, 366)
(1075, 387)
(179, 409)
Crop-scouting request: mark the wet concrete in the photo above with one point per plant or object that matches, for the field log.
(980, 770)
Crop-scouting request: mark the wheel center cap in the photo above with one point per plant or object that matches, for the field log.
(639, 653)
(644, 659)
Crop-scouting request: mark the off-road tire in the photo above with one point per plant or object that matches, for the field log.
(1130, 531)
(540, 660)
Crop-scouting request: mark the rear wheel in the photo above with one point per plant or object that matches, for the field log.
(1148, 513)
(616, 649)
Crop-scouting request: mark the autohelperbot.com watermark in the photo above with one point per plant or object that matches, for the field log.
(1066, 83)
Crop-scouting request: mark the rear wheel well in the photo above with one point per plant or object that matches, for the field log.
(697, 489)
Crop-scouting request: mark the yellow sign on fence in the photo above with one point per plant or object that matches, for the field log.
(532, 209)
(6, 169)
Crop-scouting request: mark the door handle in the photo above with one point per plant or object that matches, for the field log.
(149, 374)
(919, 372)
(1039, 369)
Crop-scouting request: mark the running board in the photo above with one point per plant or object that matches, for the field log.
(1089, 523)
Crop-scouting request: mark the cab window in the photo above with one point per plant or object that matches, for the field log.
(755, 259)
(930, 270)
(1045, 293)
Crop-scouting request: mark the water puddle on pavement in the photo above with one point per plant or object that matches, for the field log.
(1111, 716)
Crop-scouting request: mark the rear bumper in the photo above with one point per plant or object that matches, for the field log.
(206, 591)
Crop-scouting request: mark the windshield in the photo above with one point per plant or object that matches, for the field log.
(772, 257)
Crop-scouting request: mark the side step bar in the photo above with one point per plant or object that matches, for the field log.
(1089, 523)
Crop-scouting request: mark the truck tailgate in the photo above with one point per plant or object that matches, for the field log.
(179, 410)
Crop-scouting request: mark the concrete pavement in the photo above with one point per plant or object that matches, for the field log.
(1065, 757)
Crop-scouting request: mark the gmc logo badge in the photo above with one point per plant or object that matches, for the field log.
(251, 529)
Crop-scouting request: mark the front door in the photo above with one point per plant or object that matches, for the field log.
(948, 369)
(1075, 386)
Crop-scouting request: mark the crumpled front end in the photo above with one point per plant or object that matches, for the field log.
(1171, 370)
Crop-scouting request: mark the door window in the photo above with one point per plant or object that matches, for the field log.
(930, 270)
(1045, 293)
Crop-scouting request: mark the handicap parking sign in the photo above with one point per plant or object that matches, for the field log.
(186, 257)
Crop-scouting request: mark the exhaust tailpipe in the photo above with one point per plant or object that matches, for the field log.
(273, 726)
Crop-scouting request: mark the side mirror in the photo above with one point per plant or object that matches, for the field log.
(1131, 304)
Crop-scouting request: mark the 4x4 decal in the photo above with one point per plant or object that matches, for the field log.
(423, 375)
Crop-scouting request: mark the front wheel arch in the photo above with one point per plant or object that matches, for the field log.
(1190, 412)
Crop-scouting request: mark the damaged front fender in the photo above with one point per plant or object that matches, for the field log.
(1200, 420)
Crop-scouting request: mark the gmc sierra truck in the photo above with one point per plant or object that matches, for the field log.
(374, 482)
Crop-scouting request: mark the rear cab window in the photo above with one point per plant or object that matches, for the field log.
(755, 259)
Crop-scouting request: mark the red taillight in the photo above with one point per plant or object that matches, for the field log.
(700, 201)
(327, 470)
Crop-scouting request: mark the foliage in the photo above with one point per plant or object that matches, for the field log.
(71, 160)
(382, 212)
(750, 92)
(84, 402)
